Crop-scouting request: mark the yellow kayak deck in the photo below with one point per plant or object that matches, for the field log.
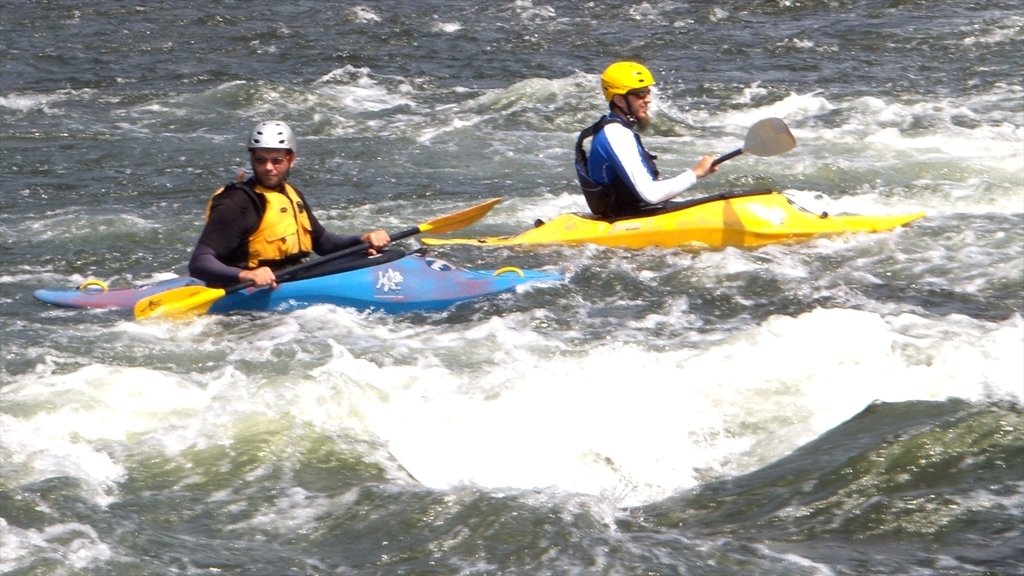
(744, 219)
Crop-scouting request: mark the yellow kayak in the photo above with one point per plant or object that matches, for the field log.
(744, 219)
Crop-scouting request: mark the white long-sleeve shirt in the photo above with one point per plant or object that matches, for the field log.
(616, 153)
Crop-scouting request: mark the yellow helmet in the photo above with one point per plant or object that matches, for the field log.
(621, 77)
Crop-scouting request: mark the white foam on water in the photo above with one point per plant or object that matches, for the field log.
(446, 27)
(70, 424)
(42, 102)
(498, 404)
(355, 89)
(965, 128)
(639, 425)
(79, 545)
(364, 14)
(791, 107)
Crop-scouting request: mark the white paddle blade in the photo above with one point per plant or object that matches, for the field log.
(769, 137)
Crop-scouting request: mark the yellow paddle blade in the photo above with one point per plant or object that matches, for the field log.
(178, 303)
(459, 219)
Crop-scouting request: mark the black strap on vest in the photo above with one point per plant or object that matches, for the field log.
(249, 187)
(598, 195)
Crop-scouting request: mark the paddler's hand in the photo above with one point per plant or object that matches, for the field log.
(377, 239)
(704, 167)
(261, 277)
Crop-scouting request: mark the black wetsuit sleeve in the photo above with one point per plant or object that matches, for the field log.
(205, 266)
(328, 242)
(223, 246)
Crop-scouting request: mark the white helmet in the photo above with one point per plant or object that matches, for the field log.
(272, 134)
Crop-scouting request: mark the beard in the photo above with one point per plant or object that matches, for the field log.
(638, 113)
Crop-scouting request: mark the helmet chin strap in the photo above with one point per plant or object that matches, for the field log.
(627, 112)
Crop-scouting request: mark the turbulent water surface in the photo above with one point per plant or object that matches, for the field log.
(846, 405)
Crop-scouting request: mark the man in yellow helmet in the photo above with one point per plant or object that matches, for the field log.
(619, 177)
(256, 226)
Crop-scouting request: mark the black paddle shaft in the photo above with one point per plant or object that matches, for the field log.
(293, 270)
(728, 156)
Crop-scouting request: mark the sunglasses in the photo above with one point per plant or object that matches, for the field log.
(275, 160)
(640, 93)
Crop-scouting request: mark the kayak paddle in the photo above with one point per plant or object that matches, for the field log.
(766, 137)
(191, 300)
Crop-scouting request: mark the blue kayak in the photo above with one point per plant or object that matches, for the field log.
(392, 281)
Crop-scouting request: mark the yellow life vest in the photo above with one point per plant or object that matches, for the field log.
(285, 232)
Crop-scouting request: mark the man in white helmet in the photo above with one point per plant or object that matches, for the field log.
(256, 226)
(619, 177)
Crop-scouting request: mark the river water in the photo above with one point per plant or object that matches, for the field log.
(847, 405)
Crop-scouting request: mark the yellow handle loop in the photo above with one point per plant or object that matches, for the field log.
(93, 285)
(501, 271)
